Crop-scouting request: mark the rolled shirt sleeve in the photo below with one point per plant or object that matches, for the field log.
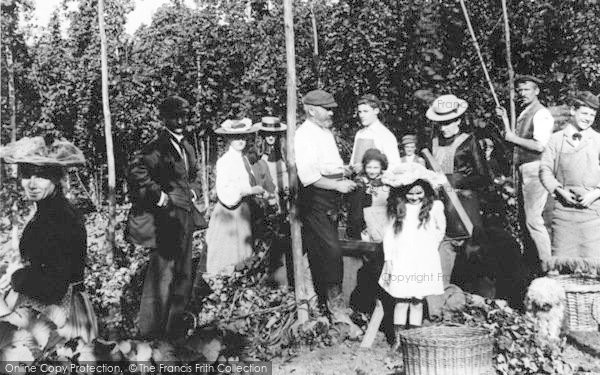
(307, 162)
(316, 153)
(543, 126)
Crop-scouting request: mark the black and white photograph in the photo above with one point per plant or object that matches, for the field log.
(309, 187)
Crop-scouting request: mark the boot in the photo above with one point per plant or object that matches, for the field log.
(338, 311)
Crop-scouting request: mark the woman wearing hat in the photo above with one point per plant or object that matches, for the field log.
(53, 244)
(271, 132)
(570, 170)
(460, 158)
(409, 146)
(229, 236)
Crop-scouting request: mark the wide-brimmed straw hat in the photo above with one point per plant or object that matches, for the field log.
(35, 151)
(446, 107)
(586, 99)
(407, 173)
(236, 127)
(270, 124)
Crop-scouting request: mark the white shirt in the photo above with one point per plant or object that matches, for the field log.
(232, 178)
(384, 141)
(543, 124)
(316, 153)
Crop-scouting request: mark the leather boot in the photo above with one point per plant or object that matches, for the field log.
(338, 311)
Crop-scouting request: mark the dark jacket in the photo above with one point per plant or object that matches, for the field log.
(469, 167)
(160, 168)
(54, 244)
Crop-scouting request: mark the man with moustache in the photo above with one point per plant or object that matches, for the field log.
(534, 127)
(165, 181)
(321, 173)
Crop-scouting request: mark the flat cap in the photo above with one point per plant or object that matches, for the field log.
(319, 98)
(587, 99)
(173, 106)
(527, 78)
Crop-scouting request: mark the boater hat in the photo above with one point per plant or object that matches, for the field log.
(446, 107)
(35, 151)
(236, 127)
(270, 124)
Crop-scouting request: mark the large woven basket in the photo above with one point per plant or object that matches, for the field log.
(583, 298)
(446, 350)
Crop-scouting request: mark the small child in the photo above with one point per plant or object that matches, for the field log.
(409, 148)
(368, 211)
(412, 268)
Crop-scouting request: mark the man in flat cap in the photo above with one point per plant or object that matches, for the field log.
(534, 127)
(320, 170)
(165, 182)
(570, 170)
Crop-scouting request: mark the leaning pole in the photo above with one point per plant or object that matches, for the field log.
(302, 305)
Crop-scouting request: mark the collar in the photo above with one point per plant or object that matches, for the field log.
(50, 201)
(177, 137)
(529, 106)
(375, 126)
(311, 123)
(571, 129)
(234, 152)
(447, 141)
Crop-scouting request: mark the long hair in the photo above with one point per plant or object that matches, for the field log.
(374, 154)
(396, 204)
(274, 152)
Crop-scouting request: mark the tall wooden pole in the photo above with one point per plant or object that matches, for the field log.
(316, 62)
(110, 157)
(511, 72)
(288, 18)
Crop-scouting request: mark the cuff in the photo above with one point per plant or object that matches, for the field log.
(163, 198)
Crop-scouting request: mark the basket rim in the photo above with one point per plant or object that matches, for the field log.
(568, 282)
(446, 333)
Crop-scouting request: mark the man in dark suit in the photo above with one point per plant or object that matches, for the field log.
(165, 182)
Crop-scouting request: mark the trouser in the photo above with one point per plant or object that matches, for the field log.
(534, 197)
(320, 240)
(168, 282)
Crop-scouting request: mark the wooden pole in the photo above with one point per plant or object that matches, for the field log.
(110, 157)
(476, 44)
(511, 72)
(511, 84)
(313, 19)
(288, 17)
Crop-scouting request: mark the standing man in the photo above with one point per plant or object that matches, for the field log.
(165, 182)
(321, 172)
(535, 125)
(373, 134)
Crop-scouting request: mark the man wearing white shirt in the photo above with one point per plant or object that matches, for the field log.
(373, 134)
(165, 182)
(320, 170)
(535, 125)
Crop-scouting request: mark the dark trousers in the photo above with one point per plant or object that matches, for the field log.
(168, 282)
(320, 239)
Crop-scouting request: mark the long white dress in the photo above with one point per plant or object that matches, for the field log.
(416, 270)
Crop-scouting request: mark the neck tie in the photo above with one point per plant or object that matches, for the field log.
(181, 151)
(249, 170)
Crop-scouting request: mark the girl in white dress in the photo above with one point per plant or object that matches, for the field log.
(412, 268)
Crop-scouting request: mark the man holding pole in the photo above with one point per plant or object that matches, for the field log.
(321, 172)
(534, 127)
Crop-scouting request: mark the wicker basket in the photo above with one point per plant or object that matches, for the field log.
(583, 295)
(446, 350)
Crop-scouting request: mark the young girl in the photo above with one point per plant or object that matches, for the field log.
(368, 211)
(229, 235)
(412, 268)
(271, 131)
(409, 147)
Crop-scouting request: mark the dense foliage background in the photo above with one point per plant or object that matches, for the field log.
(228, 59)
